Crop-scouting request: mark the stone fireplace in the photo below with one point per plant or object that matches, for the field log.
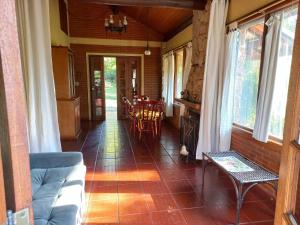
(190, 118)
(193, 90)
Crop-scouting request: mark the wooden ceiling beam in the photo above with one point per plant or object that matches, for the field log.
(186, 4)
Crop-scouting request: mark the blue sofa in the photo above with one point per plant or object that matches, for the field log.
(57, 188)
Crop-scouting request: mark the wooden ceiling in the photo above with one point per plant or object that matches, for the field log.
(167, 17)
(166, 21)
(190, 4)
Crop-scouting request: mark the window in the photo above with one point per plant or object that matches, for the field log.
(179, 73)
(247, 74)
(283, 69)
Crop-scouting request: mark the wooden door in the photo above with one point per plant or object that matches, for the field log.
(128, 68)
(97, 87)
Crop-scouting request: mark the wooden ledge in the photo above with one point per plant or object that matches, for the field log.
(188, 104)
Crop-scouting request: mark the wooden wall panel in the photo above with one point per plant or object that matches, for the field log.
(152, 70)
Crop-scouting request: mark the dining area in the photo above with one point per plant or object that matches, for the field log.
(144, 115)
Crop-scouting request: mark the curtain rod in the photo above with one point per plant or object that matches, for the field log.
(179, 47)
(261, 11)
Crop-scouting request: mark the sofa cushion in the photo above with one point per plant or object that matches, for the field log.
(57, 194)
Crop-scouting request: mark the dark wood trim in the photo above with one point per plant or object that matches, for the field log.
(178, 29)
(63, 15)
(268, 9)
(13, 114)
(187, 4)
(296, 144)
(177, 48)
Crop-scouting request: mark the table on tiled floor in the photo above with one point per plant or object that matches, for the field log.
(243, 173)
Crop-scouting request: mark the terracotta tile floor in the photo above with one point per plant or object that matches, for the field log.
(146, 182)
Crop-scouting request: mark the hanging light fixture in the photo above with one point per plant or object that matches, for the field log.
(120, 25)
(147, 51)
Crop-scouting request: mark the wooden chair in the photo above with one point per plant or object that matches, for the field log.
(133, 117)
(142, 97)
(149, 114)
(161, 110)
(125, 106)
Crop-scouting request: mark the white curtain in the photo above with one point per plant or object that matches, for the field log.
(34, 24)
(187, 65)
(164, 76)
(168, 82)
(213, 80)
(231, 53)
(266, 90)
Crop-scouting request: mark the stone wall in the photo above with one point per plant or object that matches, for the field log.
(200, 32)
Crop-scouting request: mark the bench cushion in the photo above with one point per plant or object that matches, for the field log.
(58, 194)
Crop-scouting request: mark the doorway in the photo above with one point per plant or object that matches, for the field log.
(110, 82)
(111, 78)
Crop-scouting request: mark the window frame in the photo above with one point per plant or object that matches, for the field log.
(175, 69)
(265, 17)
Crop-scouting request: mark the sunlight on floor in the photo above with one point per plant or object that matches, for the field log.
(145, 175)
(105, 206)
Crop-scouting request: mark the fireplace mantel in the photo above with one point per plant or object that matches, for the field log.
(191, 105)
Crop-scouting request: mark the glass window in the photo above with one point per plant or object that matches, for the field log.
(284, 60)
(179, 73)
(247, 74)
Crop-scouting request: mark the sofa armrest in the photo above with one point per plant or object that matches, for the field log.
(55, 159)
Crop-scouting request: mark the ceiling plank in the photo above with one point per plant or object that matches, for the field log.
(178, 29)
(167, 18)
(187, 4)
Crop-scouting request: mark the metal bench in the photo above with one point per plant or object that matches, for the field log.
(243, 173)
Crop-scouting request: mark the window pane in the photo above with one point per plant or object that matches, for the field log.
(283, 72)
(247, 74)
(179, 72)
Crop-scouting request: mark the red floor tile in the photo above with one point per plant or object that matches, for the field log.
(179, 186)
(156, 187)
(188, 200)
(137, 219)
(132, 203)
(170, 217)
(106, 207)
(104, 188)
(146, 182)
(226, 214)
(199, 216)
(257, 212)
(102, 221)
(134, 187)
(173, 174)
(161, 202)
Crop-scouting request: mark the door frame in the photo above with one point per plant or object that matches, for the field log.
(92, 106)
(109, 55)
